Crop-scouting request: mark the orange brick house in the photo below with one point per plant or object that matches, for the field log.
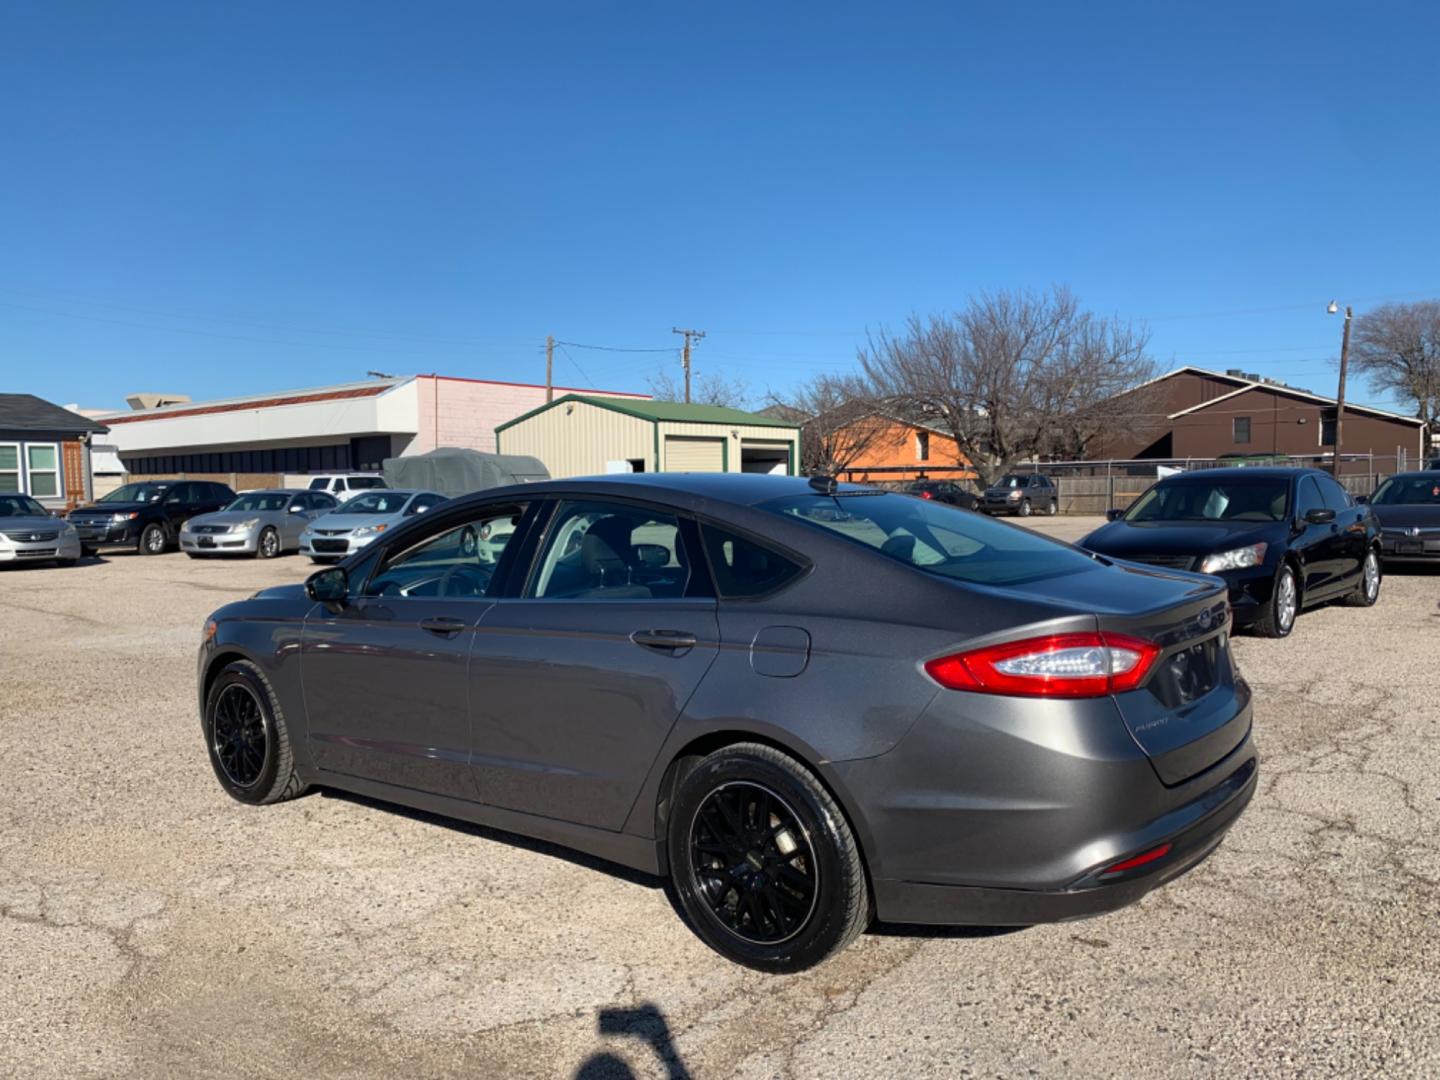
(903, 449)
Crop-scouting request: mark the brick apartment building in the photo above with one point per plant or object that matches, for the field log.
(1192, 413)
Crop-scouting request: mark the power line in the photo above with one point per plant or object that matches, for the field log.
(615, 348)
(588, 381)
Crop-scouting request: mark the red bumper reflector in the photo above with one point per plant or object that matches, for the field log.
(1139, 860)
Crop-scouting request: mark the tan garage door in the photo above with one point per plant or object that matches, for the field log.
(694, 455)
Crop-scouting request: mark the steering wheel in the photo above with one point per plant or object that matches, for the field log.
(469, 543)
(465, 579)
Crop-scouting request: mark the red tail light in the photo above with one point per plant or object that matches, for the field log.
(1058, 665)
(927, 494)
(1139, 860)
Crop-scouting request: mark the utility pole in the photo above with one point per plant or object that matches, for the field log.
(1340, 395)
(685, 354)
(549, 368)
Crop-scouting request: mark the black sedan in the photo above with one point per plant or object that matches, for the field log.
(807, 704)
(945, 491)
(1283, 539)
(1408, 509)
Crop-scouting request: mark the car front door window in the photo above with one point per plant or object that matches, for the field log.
(459, 563)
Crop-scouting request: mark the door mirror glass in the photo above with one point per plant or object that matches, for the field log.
(296, 508)
(1362, 499)
(328, 586)
(1320, 515)
(1113, 514)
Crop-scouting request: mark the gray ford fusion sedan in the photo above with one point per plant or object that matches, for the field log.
(260, 523)
(809, 705)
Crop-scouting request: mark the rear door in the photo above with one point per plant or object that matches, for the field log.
(576, 681)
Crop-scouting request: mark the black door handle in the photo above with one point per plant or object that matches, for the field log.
(443, 625)
(664, 639)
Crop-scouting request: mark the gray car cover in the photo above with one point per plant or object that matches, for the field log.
(453, 471)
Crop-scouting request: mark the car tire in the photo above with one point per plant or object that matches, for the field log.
(247, 739)
(268, 546)
(780, 894)
(152, 540)
(1054, 507)
(1367, 590)
(1278, 619)
(1024, 510)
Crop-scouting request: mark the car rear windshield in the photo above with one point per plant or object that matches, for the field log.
(375, 502)
(1196, 499)
(936, 538)
(1409, 490)
(358, 482)
(135, 493)
(21, 506)
(261, 501)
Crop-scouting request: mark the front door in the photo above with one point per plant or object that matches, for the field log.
(1320, 545)
(576, 683)
(386, 690)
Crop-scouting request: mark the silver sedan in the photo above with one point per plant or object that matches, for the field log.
(28, 533)
(361, 520)
(258, 523)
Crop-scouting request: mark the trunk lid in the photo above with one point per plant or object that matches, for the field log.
(1194, 708)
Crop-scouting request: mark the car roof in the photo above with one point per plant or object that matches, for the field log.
(1417, 472)
(1271, 472)
(737, 489)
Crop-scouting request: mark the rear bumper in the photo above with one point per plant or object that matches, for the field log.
(1194, 832)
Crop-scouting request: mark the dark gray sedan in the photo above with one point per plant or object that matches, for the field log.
(809, 706)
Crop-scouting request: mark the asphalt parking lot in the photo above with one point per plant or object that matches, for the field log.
(151, 926)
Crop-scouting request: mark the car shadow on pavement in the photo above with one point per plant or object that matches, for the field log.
(500, 836)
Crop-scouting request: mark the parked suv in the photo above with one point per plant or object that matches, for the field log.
(148, 515)
(343, 485)
(1023, 494)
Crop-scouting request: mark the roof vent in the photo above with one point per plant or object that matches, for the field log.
(155, 401)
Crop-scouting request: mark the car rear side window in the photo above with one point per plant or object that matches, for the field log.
(743, 567)
(611, 551)
(936, 538)
(318, 484)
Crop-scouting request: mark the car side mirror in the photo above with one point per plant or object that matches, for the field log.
(1320, 515)
(297, 509)
(1113, 514)
(328, 586)
(1361, 500)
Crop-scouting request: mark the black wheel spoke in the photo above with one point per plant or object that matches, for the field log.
(751, 885)
(238, 735)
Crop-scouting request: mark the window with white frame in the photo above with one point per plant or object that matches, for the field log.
(10, 467)
(922, 446)
(42, 470)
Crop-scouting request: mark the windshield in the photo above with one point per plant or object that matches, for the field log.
(21, 506)
(375, 502)
(937, 538)
(1409, 490)
(135, 493)
(1221, 500)
(357, 482)
(1010, 482)
(261, 501)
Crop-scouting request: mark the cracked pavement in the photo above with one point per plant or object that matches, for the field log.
(150, 926)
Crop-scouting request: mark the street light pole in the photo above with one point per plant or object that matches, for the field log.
(1340, 395)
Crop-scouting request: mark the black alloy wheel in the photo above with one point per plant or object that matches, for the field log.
(753, 862)
(247, 738)
(763, 864)
(237, 735)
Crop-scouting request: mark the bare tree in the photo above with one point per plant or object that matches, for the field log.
(838, 420)
(1013, 376)
(1396, 348)
(706, 388)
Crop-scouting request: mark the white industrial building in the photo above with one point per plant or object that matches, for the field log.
(351, 426)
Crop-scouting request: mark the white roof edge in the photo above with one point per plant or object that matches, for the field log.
(1251, 384)
(389, 383)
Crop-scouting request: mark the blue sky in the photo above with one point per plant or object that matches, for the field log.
(229, 198)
